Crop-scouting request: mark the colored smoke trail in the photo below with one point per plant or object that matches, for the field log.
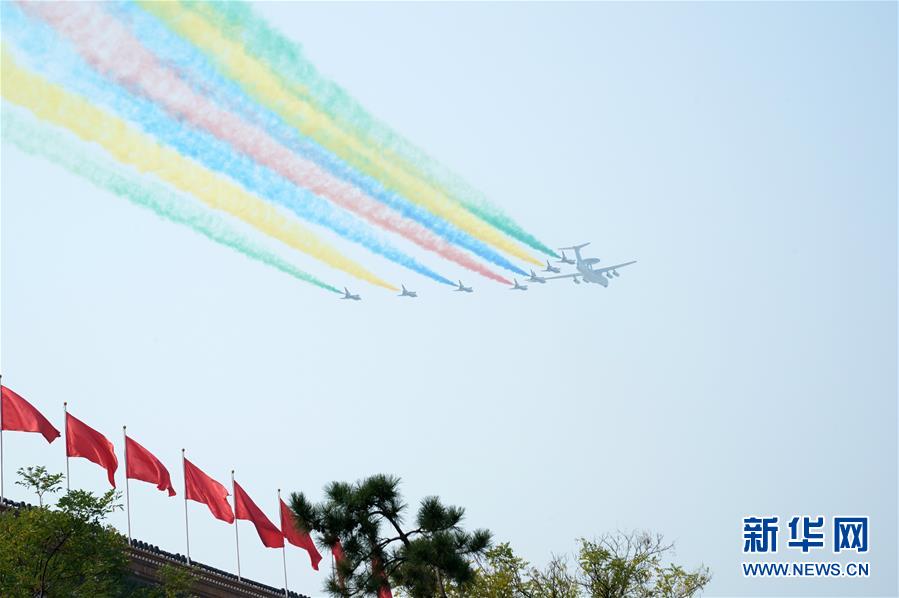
(195, 68)
(52, 103)
(286, 59)
(118, 55)
(39, 139)
(268, 89)
(43, 51)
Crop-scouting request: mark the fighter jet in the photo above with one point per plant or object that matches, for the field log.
(518, 287)
(565, 259)
(348, 295)
(586, 271)
(537, 279)
(463, 288)
(550, 268)
(407, 293)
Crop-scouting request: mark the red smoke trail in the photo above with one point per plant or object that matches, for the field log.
(113, 51)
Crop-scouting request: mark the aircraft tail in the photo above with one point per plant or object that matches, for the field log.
(575, 247)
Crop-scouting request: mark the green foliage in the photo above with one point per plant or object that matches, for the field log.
(500, 574)
(554, 581)
(63, 552)
(367, 518)
(633, 565)
(41, 482)
(177, 580)
(85, 507)
(613, 566)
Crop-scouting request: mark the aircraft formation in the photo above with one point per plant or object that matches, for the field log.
(585, 271)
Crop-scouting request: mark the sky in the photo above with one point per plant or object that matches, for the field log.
(744, 154)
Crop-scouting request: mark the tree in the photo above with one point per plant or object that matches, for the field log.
(367, 518)
(41, 482)
(554, 581)
(625, 565)
(66, 551)
(177, 580)
(502, 574)
(614, 566)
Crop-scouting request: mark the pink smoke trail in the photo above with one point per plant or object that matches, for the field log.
(112, 50)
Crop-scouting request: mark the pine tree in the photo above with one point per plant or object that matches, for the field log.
(367, 518)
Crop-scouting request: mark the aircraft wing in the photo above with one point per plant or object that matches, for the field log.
(576, 274)
(615, 267)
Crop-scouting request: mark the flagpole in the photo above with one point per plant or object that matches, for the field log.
(283, 549)
(65, 411)
(127, 489)
(236, 537)
(186, 528)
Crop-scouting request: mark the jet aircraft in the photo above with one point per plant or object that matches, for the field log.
(464, 289)
(537, 279)
(518, 287)
(407, 293)
(348, 295)
(550, 268)
(587, 272)
(565, 259)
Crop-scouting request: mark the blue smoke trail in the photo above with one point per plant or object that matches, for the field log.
(197, 70)
(45, 52)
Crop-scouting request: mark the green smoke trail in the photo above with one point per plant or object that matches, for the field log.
(45, 141)
(286, 59)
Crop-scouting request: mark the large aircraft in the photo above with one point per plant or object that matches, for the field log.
(407, 293)
(518, 287)
(587, 273)
(550, 268)
(565, 259)
(463, 288)
(348, 295)
(537, 279)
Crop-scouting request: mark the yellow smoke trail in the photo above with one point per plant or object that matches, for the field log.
(281, 97)
(52, 103)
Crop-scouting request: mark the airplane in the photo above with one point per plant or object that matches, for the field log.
(537, 279)
(586, 271)
(348, 295)
(565, 259)
(407, 293)
(518, 287)
(550, 268)
(463, 288)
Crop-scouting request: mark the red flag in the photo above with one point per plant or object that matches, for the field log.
(246, 509)
(296, 537)
(337, 552)
(384, 590)
(84, 441)
(140, 464)
(200, 487)
(18, 415)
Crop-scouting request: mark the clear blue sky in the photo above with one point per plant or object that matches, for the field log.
(744, 153)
